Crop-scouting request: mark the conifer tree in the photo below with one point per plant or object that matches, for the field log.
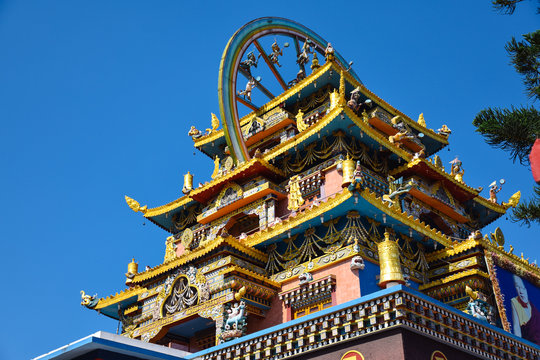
(516, 129)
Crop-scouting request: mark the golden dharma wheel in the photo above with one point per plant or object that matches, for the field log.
(187, 238)
(349, 166)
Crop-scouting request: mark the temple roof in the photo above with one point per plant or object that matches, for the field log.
(211, 143)
(195, 254)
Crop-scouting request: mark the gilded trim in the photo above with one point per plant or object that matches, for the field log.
(439, 171)
(241, 168)
(123, 295)
(273, 103)
(292, 222)
(453, 277)
(191, 255)
(406, 219)
(497, 291)
(250, 273)
(168, 207)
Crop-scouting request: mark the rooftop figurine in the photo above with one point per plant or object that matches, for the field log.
(456, 169)
(276, 53)
(251, 84)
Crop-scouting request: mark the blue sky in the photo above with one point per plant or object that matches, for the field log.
(96, 98)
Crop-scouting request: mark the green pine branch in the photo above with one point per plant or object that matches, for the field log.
(528, 212)
(513, 130)
(525, 56)
(507, 6)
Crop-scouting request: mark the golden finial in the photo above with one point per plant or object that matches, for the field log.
(391, 273)
(135, 206)
(511, 250)
(438, 162)
(365, 116)
(215, 124)
(241, 292)
(315, 63)
(216, 167)
(421, 120)
(300, 124)
(514, 199)
(472, 294)
(342, 88)
(188, 183)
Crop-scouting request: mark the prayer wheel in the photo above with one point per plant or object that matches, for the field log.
(389, 262)
(133, 267)
(188, 182)
(349, 166)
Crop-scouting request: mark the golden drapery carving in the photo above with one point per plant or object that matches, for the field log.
(323, 149)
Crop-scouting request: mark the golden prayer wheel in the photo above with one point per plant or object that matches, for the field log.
(389, 261)
(349, 165)
(188, 183)
(133, 267)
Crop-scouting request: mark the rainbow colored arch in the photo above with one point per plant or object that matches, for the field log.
(228, 70)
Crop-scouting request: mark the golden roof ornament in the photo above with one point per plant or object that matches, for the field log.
(421, 120)
(216, 167)
(215, 124)
(188, 183)
(315, 63)
(497, 237)
(170, 249)
(241, 292)
(295, 195)
(514, 200)
(135, 206)
(300, 124)
(133, 268)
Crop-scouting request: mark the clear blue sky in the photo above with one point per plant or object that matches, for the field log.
(96, 98)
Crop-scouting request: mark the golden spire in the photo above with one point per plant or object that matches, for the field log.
(188, 183)
(215, 124)
(421, 120)
(135, 206)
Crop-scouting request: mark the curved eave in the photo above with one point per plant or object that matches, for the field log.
(368, 205)
(213, 137)
(163, 209)
(442, 140)
(301, 218)
(253, 167)
(454, 277)
(197, 253)
(460, 247)
(459, 190)
(406, 219)
(109, 306)
(326, 121)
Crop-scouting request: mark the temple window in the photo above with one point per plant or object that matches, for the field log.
(311, 296)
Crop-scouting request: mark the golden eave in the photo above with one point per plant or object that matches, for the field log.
(386, 106)
(460, 247)
(441, 172)
(243, 167)
(292, 222)
(273, 103)
(250, 273)
(457, 276)
(491, 205)
(201, 251)
(325, 121)
(168, 207)
(123, 295)
(406, 219)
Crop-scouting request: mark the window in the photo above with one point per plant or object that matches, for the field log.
(310, 309)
